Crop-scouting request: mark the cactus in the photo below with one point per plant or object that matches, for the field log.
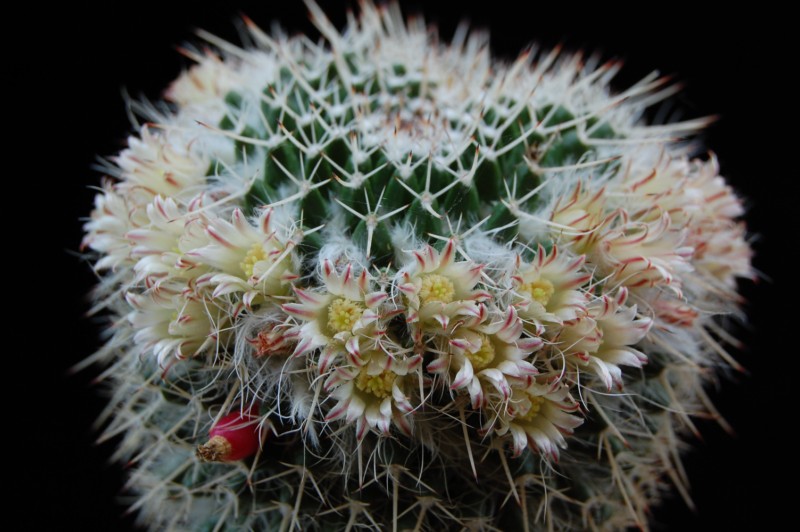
(389, 283)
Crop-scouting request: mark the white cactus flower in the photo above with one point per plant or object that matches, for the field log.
(159, 162)
(182, 325)
(538, 416)
(253, 260)
(372, 391)
(436, 288)
(602, 339)
(346, 307)
(107, 229)
(488, 350)
(549, 288)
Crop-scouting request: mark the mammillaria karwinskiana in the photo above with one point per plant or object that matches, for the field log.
(407, 286)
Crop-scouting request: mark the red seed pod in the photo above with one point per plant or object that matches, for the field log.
(234, 437)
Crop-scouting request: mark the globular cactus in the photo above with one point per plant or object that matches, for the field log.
(382, 282)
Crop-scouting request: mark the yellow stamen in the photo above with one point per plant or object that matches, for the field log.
(482, 357)
(436, 287)
(540, 290)
(343, 314)
(256, 254)
(536, 405)
(379, 385)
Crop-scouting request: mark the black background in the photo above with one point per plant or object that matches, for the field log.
(67, 73)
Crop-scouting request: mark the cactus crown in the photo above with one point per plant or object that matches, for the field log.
(439, 283)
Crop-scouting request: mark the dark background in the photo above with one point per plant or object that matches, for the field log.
(74, 61)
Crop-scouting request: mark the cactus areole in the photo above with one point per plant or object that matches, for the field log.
(460, 293)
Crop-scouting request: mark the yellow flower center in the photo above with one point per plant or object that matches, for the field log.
(483, 356)
(256, 254)
(343, 314)
(540, 290)
(533, 411)
(379, 385)
(436, 287)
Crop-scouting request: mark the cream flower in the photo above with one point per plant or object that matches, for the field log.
(488, 353)
(643, 254)
(537, 416)
(602, 339)
(161, 244)
(372, 390)
(331, 317)
(700, 203)
(577, 216)
(722, 254)
(160, 162)
(106, 230)
(436, 288)
(175, 323)
(673, 312)
(548, 289)
(252, 260)
(204, 85)
(645, 249)
(690, 191)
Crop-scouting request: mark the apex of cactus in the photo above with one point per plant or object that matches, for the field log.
(417, 267)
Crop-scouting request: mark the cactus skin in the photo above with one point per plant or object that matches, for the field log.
(363, 151)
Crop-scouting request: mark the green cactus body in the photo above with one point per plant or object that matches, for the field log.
(458, 293)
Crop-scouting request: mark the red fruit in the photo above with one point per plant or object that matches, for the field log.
(234, 437)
